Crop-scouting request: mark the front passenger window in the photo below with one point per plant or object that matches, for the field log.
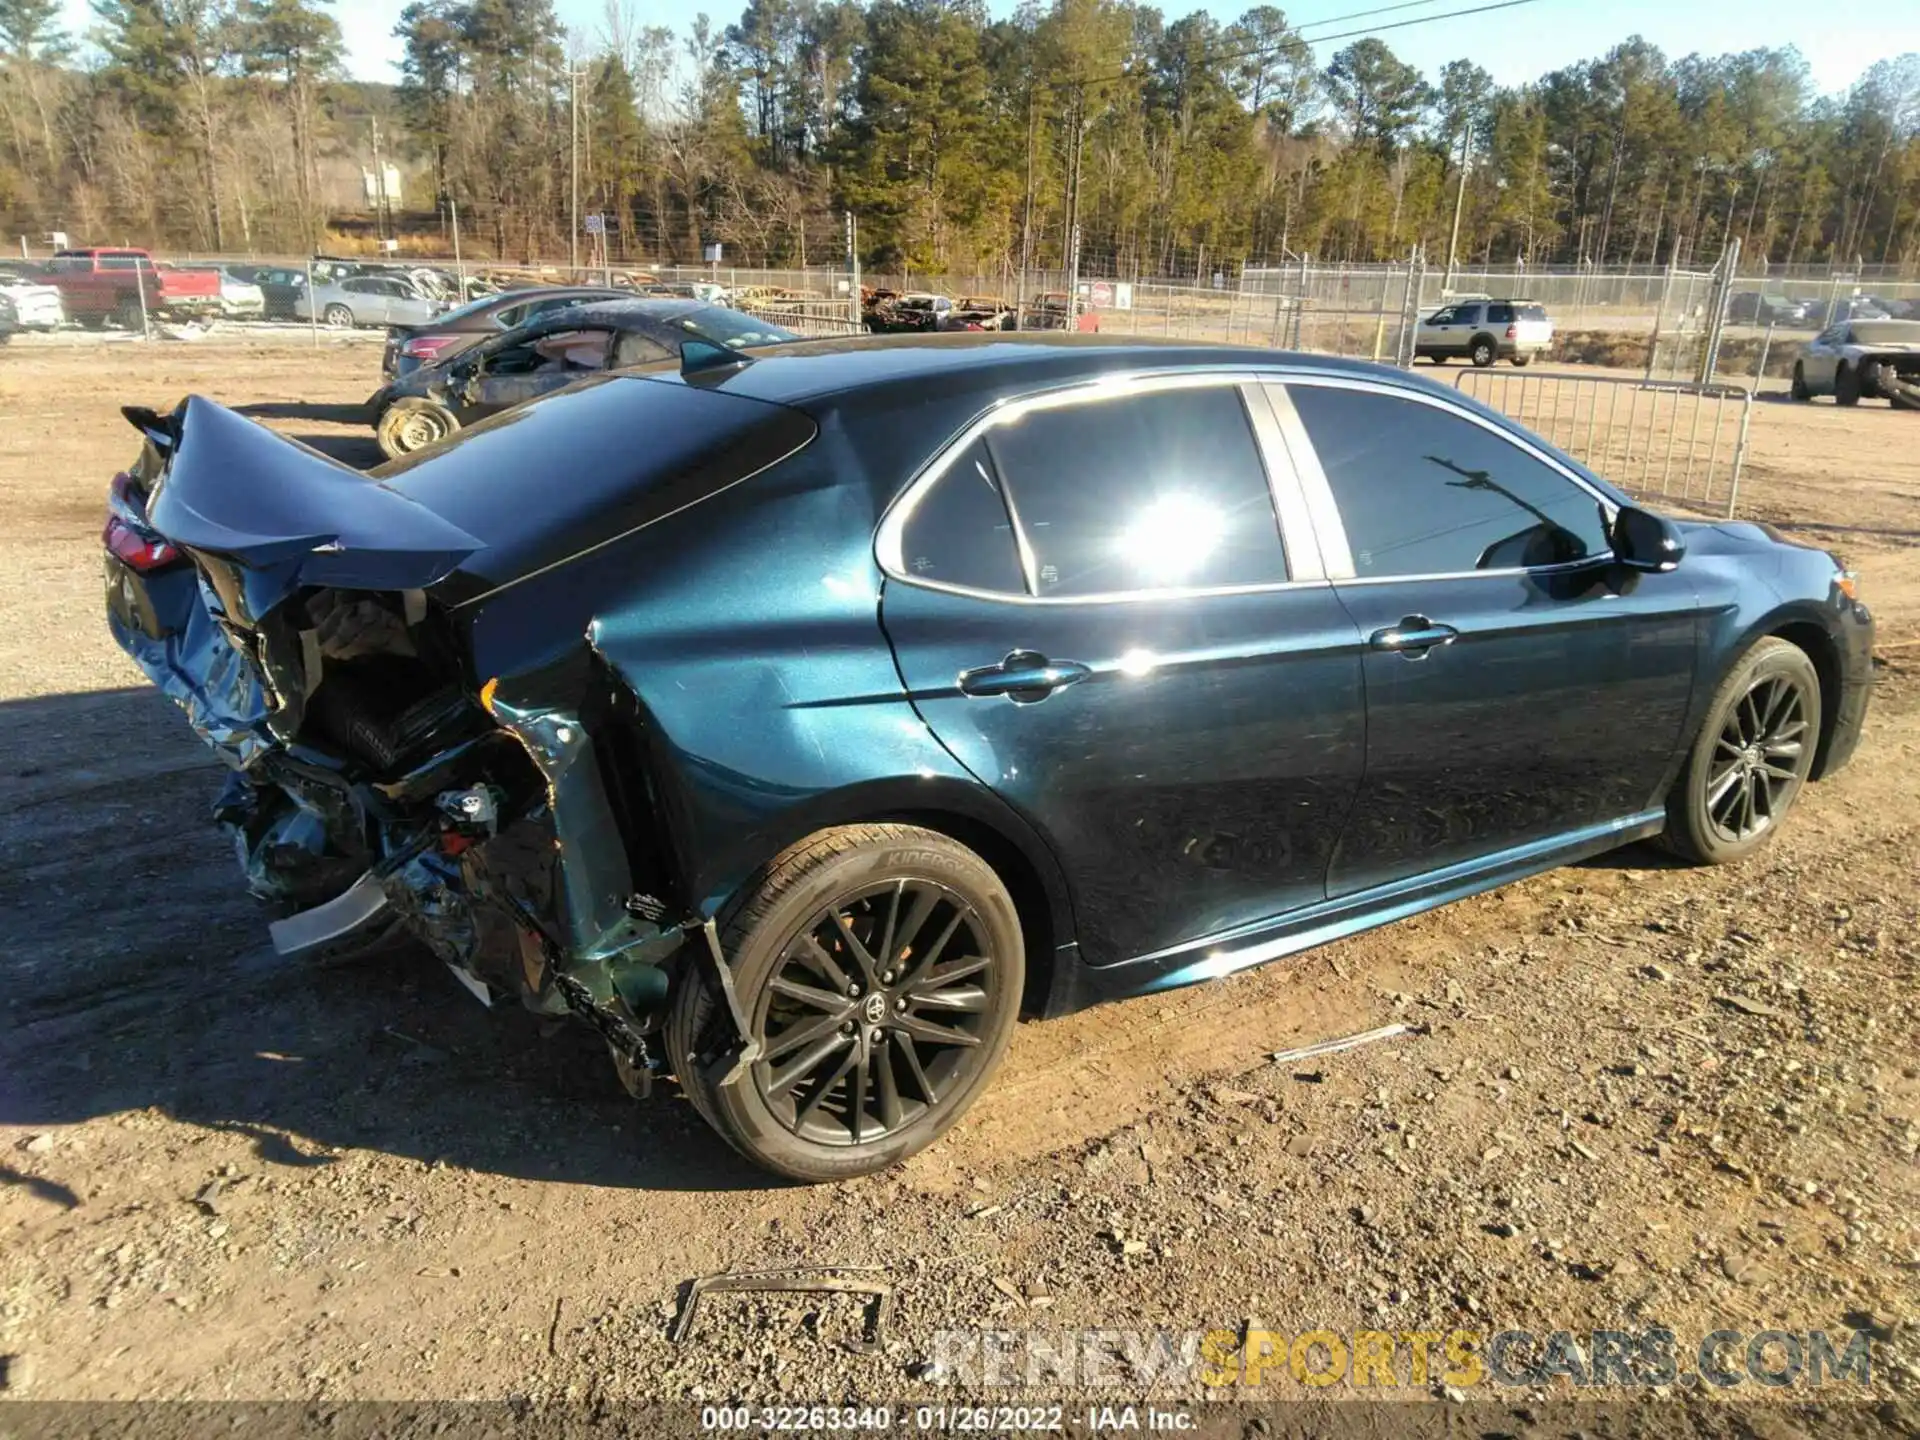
(1424, 491)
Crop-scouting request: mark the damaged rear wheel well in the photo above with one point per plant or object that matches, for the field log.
(1023, 882)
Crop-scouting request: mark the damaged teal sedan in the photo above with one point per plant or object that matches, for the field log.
(798, 722)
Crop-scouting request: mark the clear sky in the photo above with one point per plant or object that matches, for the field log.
(1839, 40)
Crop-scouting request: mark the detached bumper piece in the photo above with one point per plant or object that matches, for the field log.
(1899, 383)
(346, 924)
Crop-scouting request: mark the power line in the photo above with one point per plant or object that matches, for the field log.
(1363, 14)
(1271, 43)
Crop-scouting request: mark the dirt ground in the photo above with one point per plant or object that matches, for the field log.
(1632, 1092)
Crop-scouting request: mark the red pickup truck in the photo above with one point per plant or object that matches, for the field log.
(98, 284)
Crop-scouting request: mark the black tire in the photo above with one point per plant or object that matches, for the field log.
(1483, 352)
(410, 424)
(1846, 386)
(1520, 362)
(129, 316)
(1798, 390)
(338, 316)
(850, 881)
(1437, 358)
(1758, 742)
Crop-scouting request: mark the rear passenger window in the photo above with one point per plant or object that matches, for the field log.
(1423, 491)
(1160, 490)
(1500, 314)
(959, 532)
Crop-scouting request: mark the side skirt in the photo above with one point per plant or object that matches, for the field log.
(1303, 929)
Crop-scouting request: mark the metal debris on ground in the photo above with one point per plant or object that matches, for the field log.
(1349, 1042)
(795, 1280)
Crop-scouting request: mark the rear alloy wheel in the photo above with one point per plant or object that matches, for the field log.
(338, 316)
(1482, 353)
(411, 424)
(1751, 758)
(1846, 386)
(1799, 390)
(880, 970)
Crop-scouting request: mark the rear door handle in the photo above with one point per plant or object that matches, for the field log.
(1414, 636)
(1024, 677)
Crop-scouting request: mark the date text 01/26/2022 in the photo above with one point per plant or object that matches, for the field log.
(934, 1419)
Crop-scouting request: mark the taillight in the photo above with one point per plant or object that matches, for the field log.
(127, 538)
(134, 548)
(425, 347)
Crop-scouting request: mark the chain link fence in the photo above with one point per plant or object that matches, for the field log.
(1658, 423)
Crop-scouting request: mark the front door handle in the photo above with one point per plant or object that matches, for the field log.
(1024, 677)
(1414, 636)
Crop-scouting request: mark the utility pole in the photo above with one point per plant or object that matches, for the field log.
(853, 268)
(1459, 204)
(459, 269)
(1073, 212)
(573, 231)
(1026, 220)
(379, 188)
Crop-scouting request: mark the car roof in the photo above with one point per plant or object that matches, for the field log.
(986, 361)
(624, 314)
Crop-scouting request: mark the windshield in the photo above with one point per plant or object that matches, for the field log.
(732, 328)
(472, 307)
(1886, 332)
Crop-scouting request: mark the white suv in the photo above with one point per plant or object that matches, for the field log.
(1484, 330)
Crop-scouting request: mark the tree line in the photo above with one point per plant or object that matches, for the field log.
(963, 144)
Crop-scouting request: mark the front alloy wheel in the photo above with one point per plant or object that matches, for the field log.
(879, 969)
(1756, 760)
(1750, 759)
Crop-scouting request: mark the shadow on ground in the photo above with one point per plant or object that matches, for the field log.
(342, 414)
(360, 451)
(136, 973)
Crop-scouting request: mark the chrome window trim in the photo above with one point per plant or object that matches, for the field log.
(1323, 514)
(1305, 555)
(1326, 510)
(889, 553)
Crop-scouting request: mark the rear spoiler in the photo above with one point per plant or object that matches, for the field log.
(286, 513)
(162, 430)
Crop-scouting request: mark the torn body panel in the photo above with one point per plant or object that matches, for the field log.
(1893, 375)
(516, 752)
(420, 744)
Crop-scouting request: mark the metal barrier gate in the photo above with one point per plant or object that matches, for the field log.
(810, 322)
(1663, 439)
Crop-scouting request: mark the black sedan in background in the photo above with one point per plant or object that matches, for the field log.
(546, 352)
(445, 336)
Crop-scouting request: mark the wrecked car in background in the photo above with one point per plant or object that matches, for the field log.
(27, 301)
(547, 352)
(1862, 360)
(447, 335)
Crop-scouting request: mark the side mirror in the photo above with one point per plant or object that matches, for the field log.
(1643, 540)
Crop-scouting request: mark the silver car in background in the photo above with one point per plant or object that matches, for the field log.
(1857, 360)
(365, 300)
